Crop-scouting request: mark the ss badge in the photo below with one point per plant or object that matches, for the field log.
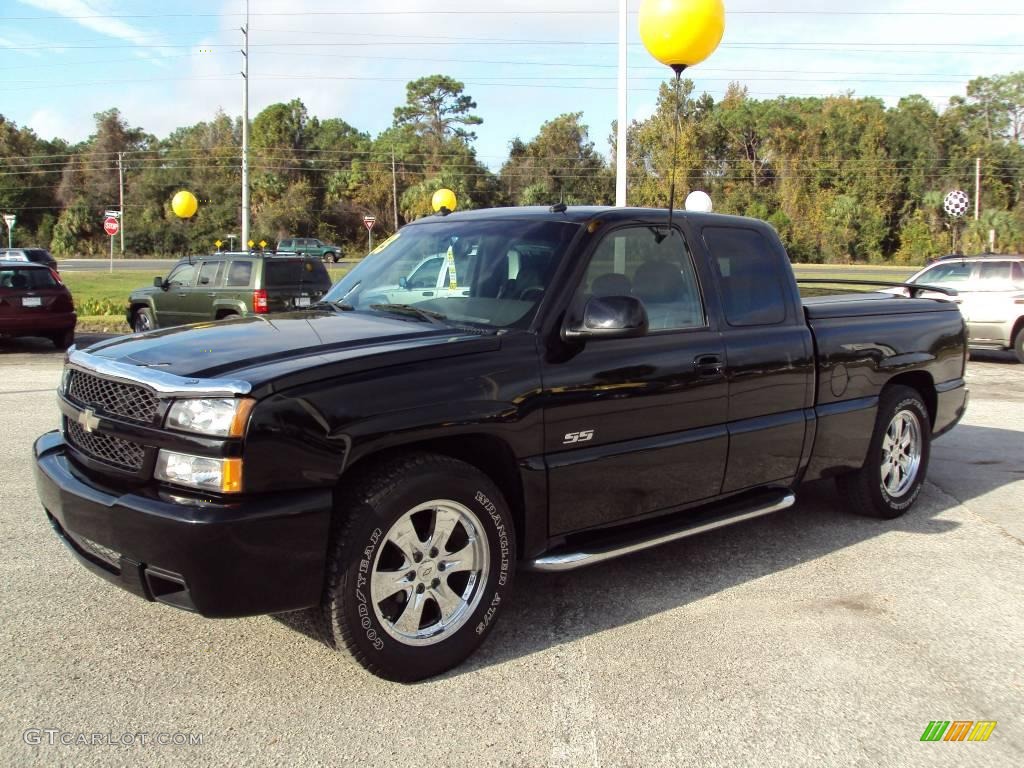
(578, 437)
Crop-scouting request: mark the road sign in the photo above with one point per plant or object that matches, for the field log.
(263, 243)
(112, 214)
(369, 221)
(251, 243)
(110, 226)
(218, 243)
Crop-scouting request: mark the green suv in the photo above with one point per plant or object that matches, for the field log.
(221, 285)
(308, 246)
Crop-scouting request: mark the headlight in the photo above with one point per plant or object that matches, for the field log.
(65, 377)
(220, 475)
(219, 417)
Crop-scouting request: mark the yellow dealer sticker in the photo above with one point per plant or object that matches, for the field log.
(385, 244)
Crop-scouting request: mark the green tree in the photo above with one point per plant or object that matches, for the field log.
(438, 110)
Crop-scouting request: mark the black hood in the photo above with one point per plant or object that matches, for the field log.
(256, 348)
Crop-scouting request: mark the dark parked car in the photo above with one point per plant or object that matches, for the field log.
(35, 255)
(604, 385)
(225, 285)
(34, 302)
(310, 246)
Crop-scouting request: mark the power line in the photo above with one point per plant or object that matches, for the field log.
(490, 12)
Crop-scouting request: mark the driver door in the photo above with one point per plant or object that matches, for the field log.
(637, 426)
(171, 303)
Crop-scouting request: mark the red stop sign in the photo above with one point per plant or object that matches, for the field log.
(110, 226)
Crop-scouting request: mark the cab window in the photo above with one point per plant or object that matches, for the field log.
(426, 274)
(946, 274)
(750, 275)
(631, 262)
(182, 276)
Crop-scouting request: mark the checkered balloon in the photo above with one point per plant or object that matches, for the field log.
(956, 203)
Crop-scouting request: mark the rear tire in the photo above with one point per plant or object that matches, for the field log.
(420, 564)
(1018, 346)
(142, 320)
(227, 315)
(332, 257)
(63, 340)
(897, 462)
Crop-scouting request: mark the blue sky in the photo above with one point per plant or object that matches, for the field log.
(166, 64)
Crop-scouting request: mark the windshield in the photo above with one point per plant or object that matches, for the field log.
(490, 273)
(945, 275)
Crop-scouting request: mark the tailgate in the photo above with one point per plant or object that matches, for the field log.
(292, 283)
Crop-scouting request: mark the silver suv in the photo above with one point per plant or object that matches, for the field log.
(991, 297)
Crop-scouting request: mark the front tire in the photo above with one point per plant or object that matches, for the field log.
(142, 320)
(897, 462)
(421, 563)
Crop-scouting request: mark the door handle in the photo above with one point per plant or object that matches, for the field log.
(709, 366)
(428, 293)
(212, 295)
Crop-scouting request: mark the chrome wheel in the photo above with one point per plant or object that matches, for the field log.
(901, 453)
(429, 574)
(142, 322)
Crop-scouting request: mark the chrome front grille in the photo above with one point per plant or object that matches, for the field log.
(128, 401)
(115, 451)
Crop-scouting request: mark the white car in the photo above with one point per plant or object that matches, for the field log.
(990, 294)
(430, 279)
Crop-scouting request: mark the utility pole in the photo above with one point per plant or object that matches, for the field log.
(120, 195)
(620, 140)
(245, 130)
(394, 186)
(977, 188)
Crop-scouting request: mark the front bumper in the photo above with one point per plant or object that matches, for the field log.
(221, 559)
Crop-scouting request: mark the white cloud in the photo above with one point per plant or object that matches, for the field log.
(91, 16)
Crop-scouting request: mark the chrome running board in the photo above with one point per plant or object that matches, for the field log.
(578, 557)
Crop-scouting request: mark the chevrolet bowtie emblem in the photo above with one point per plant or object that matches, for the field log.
(87, 420)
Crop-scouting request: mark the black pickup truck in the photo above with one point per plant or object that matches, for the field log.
(586, 383)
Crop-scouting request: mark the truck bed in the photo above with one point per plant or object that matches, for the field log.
(873, 303)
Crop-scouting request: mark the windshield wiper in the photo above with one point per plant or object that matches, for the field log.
(408, 309)
(340, 305)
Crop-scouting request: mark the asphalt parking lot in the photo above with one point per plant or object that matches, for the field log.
(806, 638)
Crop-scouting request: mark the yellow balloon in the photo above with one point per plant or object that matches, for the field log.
(443, 198)
(184, 204)
(681, 33)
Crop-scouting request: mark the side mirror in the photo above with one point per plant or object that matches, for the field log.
(609, 317)
(158, 282)
(403, 282)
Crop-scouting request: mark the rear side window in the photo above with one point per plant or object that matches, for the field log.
(994, 276)
(293, 272)
(26, 279)
(209, 273)
(749, 273)
(239, 274)
(285, 244)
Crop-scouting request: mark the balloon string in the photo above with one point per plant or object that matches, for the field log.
(678, 69)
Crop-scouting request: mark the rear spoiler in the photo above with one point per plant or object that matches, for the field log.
(915, 290)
